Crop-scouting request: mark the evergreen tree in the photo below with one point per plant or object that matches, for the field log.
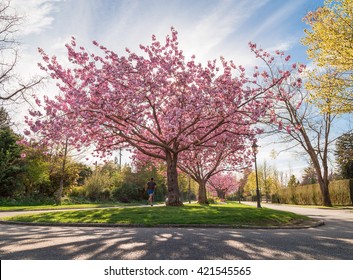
(11, 163)
(293, 182)
(310, 175)
(344, 155)
(4, 118)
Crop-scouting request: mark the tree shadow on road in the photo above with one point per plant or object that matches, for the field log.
(67, 243)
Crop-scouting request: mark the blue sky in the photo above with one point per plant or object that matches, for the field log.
(207, 28)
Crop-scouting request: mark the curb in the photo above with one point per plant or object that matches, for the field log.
(304, 225)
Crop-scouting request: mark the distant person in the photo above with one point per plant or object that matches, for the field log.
(151, 188)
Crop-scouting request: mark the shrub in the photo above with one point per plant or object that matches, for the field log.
(97, 185)
(128, 192)
(211, 200)
(77, 192)
(341, 193)
(275, 198)
(27, 201)
(75, 200)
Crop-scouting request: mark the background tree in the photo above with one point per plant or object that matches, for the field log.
(329, 43)
(11, 86)
(265, 180)
(59, 143)
(231, 153)
(189, 188)
(242, 183)
(250, 186)
(269, 182)
(130, 183)
(4, 118)
(299, 122)
(99, 185)
(11, 163)
(62, 176)
(310, 176)
(223, 184)
(293, 182)
(344, 155)
(85, 171)
(36, 178)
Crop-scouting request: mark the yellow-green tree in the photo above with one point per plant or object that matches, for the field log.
(330, 45)
(268, 182)
(250, 186)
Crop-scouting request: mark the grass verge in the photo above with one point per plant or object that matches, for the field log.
(64, 206)
(233, 214)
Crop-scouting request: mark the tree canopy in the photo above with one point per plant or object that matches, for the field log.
(344, 155)
(223, 184)
(11, 163)
(329, 43)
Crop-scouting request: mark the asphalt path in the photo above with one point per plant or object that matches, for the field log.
(334, 240)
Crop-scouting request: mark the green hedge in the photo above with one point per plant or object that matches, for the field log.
(341, 193)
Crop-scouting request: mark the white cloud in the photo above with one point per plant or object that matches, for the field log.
(37, 14)
(210, 37)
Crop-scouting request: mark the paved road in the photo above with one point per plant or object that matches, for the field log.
(332, 241)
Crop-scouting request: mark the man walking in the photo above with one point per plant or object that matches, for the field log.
(151, 187)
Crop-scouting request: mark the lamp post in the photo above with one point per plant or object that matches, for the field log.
(189, 191)
(255, 150)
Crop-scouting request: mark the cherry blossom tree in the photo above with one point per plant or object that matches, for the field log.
(228, 153)
(158, 103)
(57, 136)
(222, 184)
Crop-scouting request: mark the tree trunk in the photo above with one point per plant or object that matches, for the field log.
(221, 194)
(322, 180)
(326, 200)
(173, 195)
(59, 192)
(202, 197)
(28, 187)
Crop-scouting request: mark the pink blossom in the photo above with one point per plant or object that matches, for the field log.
(265, 74)
(280, 125)
(289, 129)
(298, 105)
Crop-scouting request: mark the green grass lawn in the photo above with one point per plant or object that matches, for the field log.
(65, 206)
(229, 214)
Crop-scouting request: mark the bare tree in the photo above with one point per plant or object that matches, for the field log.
(298, 121)
(12, 87)
(306, 127)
